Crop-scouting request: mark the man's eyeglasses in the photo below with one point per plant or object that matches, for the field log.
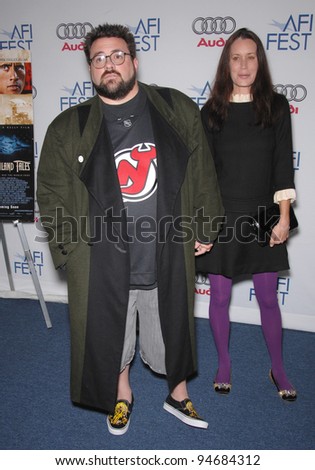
(116, 58)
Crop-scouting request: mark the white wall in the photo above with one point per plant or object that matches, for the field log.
(172, 52)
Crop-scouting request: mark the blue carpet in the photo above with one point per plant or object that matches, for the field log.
(36, 411)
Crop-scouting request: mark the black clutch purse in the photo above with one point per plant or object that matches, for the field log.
(263, 222)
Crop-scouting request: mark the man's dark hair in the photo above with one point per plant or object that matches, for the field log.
(109, 31)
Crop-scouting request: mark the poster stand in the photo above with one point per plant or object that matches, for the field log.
(31, 265)
(6, 256)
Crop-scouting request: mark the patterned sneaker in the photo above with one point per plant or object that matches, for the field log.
(185, 411)
(118, 423)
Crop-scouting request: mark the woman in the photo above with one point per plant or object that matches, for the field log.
(249, 131)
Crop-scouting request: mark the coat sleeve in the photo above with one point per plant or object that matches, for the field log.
(208, 206)
(54, 187)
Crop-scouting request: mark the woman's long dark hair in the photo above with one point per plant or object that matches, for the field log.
(261, 90)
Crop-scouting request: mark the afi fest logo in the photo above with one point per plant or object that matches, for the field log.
(210, 28)
(283, 290)
(297, 160)
(79, 93)
(73, 34)
(146, 34)
(201, 94)
(137, 172)
(22, 267)
(295, 33)
(21, 37)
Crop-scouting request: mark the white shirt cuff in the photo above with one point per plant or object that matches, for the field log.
(284, 195)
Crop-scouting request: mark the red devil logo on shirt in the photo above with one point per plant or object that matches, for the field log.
(137, 172)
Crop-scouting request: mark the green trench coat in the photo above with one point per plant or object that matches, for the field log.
(78, 185)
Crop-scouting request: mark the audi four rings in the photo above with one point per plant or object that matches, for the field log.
(73, 30)
(201, 279)
(292, 92)
(217, 25)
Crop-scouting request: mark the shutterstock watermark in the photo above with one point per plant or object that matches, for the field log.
(116, 227)
(64, 228)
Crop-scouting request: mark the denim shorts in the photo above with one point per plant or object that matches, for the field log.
(144, 305)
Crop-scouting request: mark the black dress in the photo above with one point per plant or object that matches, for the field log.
(252, 163)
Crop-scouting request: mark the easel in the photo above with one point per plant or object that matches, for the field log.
(30, 261)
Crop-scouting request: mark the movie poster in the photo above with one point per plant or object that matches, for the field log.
(16, 137)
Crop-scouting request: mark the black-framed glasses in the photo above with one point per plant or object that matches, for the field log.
(116, 58)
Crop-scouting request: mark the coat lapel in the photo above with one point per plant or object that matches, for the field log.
(98, 171)
(172, 157)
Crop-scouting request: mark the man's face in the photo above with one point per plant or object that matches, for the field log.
(12, 77)
(114, 83)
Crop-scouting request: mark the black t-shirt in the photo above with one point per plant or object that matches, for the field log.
(131, 133)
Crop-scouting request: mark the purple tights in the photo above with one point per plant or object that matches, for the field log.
(265, 285)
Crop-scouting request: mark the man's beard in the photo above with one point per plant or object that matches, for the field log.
(119, 92)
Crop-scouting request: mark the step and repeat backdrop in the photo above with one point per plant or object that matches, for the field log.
(178, 45)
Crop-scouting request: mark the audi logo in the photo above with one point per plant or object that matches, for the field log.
(34, 92)
(201, 279)
(73, 30)
(292, 92)
(217, 25)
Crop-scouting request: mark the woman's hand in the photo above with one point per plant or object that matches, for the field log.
(201, 248)
(280, 234)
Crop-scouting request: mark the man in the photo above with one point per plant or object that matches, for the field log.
(126, 188)
(12, 78)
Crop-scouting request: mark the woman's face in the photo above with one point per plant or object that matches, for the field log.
(243, 65)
